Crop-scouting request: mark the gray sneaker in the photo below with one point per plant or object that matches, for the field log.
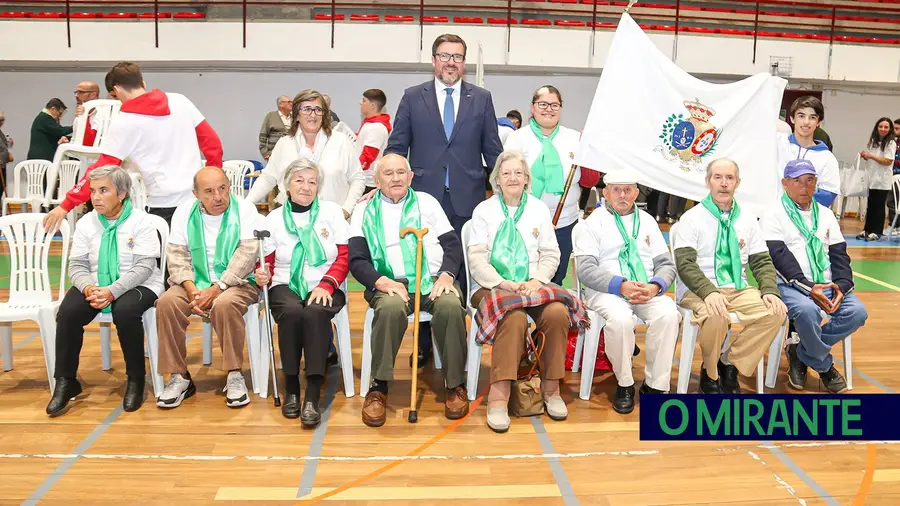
(236, 390)
(177, 389)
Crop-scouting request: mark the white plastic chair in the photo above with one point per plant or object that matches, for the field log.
(237, 171)
(149, 319)
(30, 292)
(689, 333)
(253, 327)
(68, 176)
(342, 336)
(30, 174)
(365, 374)
(138, 191)
(101, 113)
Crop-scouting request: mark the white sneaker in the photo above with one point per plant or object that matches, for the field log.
(177, 389)
(498, 419)
(556, 408)
(236, 390)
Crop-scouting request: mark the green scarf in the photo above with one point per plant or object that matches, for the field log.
(373, 231)
(308, 243)
(815, 250)
(630, 258)
(547, 169)
(108, 259)
(227, 242)
(509, 255)
(727, 264)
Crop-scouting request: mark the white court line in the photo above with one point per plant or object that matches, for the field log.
(391, 458)
(778, 479)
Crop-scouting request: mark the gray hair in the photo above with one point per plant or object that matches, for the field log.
(298, 165)
(709, 167)
(278, 100)
(121, 180)
(505, 157)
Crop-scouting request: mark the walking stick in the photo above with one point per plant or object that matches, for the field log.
(261, 236)
(562, 200)
(419, 233)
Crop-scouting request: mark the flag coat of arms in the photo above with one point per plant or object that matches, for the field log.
(651, 116)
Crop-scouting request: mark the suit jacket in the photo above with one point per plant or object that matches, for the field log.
(418, 134)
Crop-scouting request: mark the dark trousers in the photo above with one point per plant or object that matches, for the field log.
(303, 328)
(564, 238)
(127, 313)
(875, 211)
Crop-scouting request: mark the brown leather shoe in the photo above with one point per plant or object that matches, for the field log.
(374, 412)
(457, 404)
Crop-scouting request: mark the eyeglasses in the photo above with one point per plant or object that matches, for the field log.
(318, 111)
(445, 57)
(544, 105)
(81, 92)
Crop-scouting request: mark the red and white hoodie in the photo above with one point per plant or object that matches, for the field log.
(372, 139)
(163, 136)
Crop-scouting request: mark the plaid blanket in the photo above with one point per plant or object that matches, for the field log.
(492, 309)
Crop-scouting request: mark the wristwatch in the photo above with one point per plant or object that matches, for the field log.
(222, 286)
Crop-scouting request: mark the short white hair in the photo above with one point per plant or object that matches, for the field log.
(737, 170)
(494, 178)
(298, 165)
(392, 155)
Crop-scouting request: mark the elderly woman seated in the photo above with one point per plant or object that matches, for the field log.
(113, 269)
(512, 249)
(307, 256)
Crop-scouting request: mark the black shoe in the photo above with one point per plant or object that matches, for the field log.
(797, 370)
(332, 358)
(310, 417)
(728, 377)
(291, 407)
(708, 385)
(833, 380)
(645, 389)
(134, 394)
(637, 351)
(66, 390)
(624, 400)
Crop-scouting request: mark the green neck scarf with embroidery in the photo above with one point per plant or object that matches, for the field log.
(815, 250)
(629, 257)
(308, 249)
(547, 169)
(509, 255)
(227, 242)
(373, 231)
(727, 263)
(108, 259)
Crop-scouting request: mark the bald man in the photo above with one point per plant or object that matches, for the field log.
(85, 92)
(211, 254)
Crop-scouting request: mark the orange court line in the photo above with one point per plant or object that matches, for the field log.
(866, 484)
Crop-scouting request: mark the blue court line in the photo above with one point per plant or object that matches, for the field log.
(559, 474)
(318, 440)
(25, 341)
(868, 378)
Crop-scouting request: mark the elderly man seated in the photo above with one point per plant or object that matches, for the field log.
(798, 231)
(113, 270)
(211, 254)
(385, 264)
(714, 244)
(626, 268)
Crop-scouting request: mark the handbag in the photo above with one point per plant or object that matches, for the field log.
(854, 181)
(526, 398)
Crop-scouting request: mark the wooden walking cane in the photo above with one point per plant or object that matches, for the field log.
(419, 233)
(562, 200)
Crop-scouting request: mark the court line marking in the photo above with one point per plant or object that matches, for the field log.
(559, 474)
(318, 439)
(866, 484)
(778, 479)
(25, 341)
(876, 281)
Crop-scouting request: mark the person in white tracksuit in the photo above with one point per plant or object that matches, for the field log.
(626, 268)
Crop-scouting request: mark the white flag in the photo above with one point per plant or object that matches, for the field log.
(651, 116)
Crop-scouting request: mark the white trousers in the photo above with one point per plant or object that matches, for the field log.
(662, 318)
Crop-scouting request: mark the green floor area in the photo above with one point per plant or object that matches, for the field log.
(886, 271)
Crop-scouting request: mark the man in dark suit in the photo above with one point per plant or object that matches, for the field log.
(443, 127)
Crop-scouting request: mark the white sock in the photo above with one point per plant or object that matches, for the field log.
(724, 358)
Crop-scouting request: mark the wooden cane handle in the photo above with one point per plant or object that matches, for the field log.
(419, 233)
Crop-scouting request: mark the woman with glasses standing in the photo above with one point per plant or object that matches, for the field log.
(550, 150)
(311, 138)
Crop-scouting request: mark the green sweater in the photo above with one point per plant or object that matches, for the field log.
(689, 272)
(45, 134)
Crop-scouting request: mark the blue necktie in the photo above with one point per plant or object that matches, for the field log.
(448, 125)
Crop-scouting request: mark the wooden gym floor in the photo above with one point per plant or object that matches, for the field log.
(206, 453)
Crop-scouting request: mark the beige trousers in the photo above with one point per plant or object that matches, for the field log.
(748, 347)
(173, 314)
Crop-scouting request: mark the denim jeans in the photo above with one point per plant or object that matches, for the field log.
(816, 340)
